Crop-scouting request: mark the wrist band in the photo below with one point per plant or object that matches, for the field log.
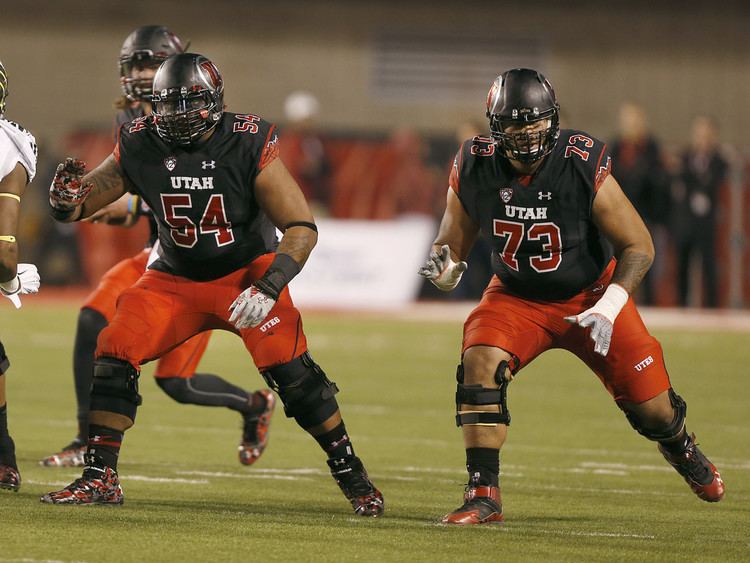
(612, 302)
(7, 238)
(11, 286)
(61, 213)
(134, 205)
(278, 275)
(11, 196)
(311, 226)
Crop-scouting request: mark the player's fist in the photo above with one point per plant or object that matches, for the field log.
(441, 270)
(250, 308)
(26, 281)
(67, 189)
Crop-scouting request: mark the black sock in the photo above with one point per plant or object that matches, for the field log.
(484, 464)
(103, 447)
(679, 445)
(336, 443)
(7, 447)
(90, 324)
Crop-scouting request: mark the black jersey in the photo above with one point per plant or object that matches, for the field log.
(545, 245)
(202, 196)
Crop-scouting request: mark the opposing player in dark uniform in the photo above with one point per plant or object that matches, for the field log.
(17, 169)
(141, 54)
(568, 251)
(218, 190)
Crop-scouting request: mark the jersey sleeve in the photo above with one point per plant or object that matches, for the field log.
(17, 146)
(589, 155)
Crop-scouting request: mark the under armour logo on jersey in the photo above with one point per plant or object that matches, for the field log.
(545, 195)
(506, 194)
(170, 162)
(206, 164)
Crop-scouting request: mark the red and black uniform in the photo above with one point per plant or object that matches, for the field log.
(551, 261)
(180, 362)
(215, 242)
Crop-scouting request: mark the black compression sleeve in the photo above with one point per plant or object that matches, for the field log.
(281, 271)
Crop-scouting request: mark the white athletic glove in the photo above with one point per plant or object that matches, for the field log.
(442, 271)
(25, 282)
(250, 308)
(601, 317)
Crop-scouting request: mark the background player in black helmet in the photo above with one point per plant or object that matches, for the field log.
(17, 169)
(141, 54)
(556, 217)
(218, 190)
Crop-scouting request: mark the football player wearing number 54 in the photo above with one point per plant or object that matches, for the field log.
(218, 191)
(568, 250)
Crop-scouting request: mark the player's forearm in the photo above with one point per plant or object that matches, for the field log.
(632, 265)
(298, 243)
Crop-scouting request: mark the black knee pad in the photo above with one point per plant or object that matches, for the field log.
(4, 361)
(115, 387)
(673, 430)
(307, 394)
(478, 395)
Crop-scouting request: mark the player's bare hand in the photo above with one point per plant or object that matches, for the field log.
(67, 189)
(441, 270)
(601, 329)
(250, 308)
(26, 281)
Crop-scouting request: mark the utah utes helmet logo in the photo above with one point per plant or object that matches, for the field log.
(506, 194)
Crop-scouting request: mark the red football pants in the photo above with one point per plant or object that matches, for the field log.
(180, 362)
(632, 371)
(161, 311)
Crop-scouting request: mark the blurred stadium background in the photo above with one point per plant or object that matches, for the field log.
(384, 91)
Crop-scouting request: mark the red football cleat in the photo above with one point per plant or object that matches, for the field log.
(255, 432)
(699, 473)
(10, 478)
(482, 505)
(96, 486)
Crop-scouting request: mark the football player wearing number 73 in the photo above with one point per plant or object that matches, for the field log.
(568, 251)
(218, 191)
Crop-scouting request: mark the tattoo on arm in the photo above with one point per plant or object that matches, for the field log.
(109, 184)
(298, 242)
(630, 269)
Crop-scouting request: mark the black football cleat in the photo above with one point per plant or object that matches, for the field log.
(699, 473)
(70, 456)
(255, 431)
(96, 486)
(482, 505)
(352, 479)
(10, 478)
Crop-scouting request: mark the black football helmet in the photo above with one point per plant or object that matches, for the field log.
(516, 98)
(149, 46)
(3, 88)
(188, 98)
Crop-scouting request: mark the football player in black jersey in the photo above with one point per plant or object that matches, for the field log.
(17, 169)
(141, 54)
(567, 246)
(218, 191)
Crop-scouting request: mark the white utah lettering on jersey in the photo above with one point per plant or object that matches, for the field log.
(533, 213)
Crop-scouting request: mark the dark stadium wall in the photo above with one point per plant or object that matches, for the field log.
(676, 58)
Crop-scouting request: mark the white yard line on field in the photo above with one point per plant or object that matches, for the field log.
(253, 475)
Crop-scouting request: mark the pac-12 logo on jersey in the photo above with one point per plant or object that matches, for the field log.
(506, 194)
(170, 162)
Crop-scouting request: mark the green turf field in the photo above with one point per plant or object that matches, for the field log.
(578, 483)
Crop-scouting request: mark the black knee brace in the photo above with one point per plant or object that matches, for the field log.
(478, 395)
(675, 427)
(115, 387)
(307, 394)
(4, 361)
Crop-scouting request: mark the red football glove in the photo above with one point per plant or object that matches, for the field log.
(67, 189)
